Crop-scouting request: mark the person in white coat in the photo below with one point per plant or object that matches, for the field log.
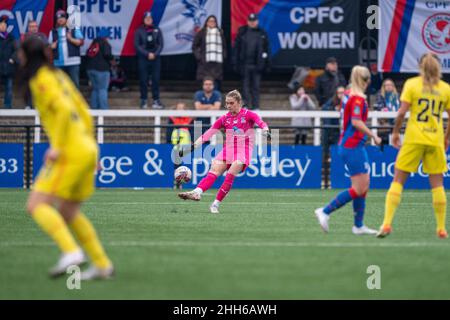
(302, 102)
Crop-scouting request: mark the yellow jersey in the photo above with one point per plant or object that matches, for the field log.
(64, 113)
(425, 124)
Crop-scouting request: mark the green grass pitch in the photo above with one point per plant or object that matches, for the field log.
(265, 244)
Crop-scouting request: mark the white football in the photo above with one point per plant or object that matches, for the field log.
(183, 174)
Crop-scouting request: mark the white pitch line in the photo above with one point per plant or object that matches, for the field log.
(206, 243)
(233, 203)
(179, 202)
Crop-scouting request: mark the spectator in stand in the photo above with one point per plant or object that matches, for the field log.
(8, 59)
(118, 78)
(66, 43)
(331, 136)
(387, 100)
(148, 41)
(33, 31)
(210, 51)
(180, 135)
(300, 101)
(329, 81)
(207, 99)
(98, 58)
(251, 57)
(376, 79)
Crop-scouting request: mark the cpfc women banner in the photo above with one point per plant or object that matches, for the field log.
(304, 32)
(410, 28)
(178, 20)
(20, 12)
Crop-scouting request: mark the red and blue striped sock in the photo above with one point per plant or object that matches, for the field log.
(341, 199)
(359, 206)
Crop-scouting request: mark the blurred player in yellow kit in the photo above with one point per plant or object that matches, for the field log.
(426, 97)
(67, 177)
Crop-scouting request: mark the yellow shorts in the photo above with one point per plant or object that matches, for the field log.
(70, 180)
(434, 159)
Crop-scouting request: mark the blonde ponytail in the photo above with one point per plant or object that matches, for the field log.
(359, 80)
(430, 71)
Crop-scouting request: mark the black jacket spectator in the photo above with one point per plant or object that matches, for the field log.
(149, 43)
(148, 40)
(251, 48)
(251, 57)
(99, 55)
(7, 55)
(327, 84)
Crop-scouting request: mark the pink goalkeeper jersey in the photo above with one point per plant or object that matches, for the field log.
(239, 135)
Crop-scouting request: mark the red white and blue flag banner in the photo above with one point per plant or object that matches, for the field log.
(410, 28)
(20, 12)
(178, 20)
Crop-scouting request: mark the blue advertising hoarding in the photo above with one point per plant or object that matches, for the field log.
(382, 164)
(11, 165)
(151, 166)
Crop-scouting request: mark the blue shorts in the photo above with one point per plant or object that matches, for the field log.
(356, 160)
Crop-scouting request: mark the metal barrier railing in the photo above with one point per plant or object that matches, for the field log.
(157, 115)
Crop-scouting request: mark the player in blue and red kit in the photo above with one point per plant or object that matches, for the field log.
(354, 135)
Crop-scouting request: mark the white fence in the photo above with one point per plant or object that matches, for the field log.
(100, 116)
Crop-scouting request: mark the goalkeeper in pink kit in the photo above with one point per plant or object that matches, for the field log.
(237, 149)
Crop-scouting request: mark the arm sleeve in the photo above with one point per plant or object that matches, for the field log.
(236, 49)
(78, 35)
(160, 43)
(318, 91)
(107, 53)
(380, 102)
(197, 96)
(257, 120)
(295, 102)
(62, 120)
(224, 45)
(137, 44)
(196, 46)
(15, 52)
(213, 130)
(217, 96)
(356, 107)
(342, 80)
(47, 100)
(407, 93)
(310, 104)
(448, 97)
(83, 112)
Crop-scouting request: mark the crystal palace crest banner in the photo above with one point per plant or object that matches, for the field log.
(410, 28)
(178, 20)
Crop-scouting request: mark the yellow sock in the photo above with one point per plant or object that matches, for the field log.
(86, 234)
(393, 198)
(440, 206)
(53, 224)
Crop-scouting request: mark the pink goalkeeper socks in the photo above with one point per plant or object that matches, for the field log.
(225, 187)
(207, 182)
